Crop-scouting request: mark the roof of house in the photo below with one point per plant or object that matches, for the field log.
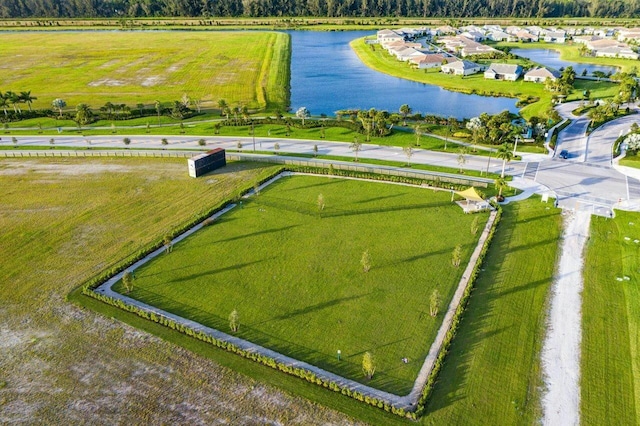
(463, 65)
(435, 58)
(504, 68)
(543, 72)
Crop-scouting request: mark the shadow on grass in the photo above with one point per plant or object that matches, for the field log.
(215, 271)
(318, 307)
(349, 366)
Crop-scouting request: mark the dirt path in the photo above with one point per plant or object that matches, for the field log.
(561, 350)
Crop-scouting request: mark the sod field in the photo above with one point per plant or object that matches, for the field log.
(610, 381)
(293, 273)
(250, 69)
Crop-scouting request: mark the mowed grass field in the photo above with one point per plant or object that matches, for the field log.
(62, 221)
(491, 375)
(294, 275)
(244, 68)
(610, 382)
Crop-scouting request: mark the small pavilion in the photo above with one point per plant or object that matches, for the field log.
(473, 202)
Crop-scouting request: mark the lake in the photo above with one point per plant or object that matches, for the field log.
(551, 58)
(327, 76)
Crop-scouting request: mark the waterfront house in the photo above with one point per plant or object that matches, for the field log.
(461, 68)
(509, 72)
(541, 74)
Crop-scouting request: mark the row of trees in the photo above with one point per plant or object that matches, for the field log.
(13, 99)
(317, 8)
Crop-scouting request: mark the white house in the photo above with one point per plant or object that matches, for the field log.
(473, 35)
(461, 68)
(555, 37)
(388, 36)
(408, 53)
(509, 72)
(541, 74)
(616, 52)
(500, 36)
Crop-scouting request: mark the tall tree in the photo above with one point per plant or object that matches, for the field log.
(505, 154)
(27, 98)
(59, 104)
(405, 110)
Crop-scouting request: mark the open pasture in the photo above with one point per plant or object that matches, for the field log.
(243, 68)
(293, 272)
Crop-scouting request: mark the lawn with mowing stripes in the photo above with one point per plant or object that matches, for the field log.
(294, 273)
(610, 381)
(492, 372)
(246, 68)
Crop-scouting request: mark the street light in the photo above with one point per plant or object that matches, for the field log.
(447, 138)
(253, 134)
(516, 145)
(488, 163)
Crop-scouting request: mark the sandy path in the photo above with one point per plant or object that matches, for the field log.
(561, 350)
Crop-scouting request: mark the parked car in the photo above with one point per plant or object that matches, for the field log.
(564, 154)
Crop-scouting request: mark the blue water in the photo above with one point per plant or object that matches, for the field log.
(551, 59)
(327, 76)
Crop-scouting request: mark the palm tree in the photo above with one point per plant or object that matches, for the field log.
(27, 98)
(222, 104)
(505, 154)
(59, 104)
(500, 184)
(109, 108)
(14, 98)
(3, 103)
(405, 110)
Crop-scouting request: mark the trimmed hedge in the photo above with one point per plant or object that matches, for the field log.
(428, 388)
(89, 287)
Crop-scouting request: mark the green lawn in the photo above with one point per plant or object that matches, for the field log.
(248, 68)
(295, 277)
(492, 372)
(610, 381)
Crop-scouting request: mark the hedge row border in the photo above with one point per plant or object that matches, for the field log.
(89, 287)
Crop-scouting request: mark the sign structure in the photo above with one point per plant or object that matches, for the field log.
(204, 163)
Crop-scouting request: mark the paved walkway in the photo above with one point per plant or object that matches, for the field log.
(407, 402)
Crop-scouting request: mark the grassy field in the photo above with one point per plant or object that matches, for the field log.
(247, 68)
(492, 372)
(295, 277)
(65, 219)
(62, 221)
(610, 382)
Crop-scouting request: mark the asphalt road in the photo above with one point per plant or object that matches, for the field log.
(585, 181)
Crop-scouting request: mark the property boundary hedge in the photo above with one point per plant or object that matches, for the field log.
(89, 287)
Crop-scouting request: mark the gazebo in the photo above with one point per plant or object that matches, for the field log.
(473, 202)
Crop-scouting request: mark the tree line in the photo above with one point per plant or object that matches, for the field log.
(317, 8)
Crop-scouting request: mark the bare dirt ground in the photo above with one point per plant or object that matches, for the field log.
(561, 350)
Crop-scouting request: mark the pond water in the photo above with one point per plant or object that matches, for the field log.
(551, 59)
(327, 76)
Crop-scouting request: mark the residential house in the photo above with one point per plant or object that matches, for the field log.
(541, 74)
(555, 37)
(616, 52)
(526, 37)
(501, 36)
(407, 53)
(473, 35)
(445, 30)
(630, 34)
(509, 72)
(461, 68)
(385, 37)
(429, 61)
